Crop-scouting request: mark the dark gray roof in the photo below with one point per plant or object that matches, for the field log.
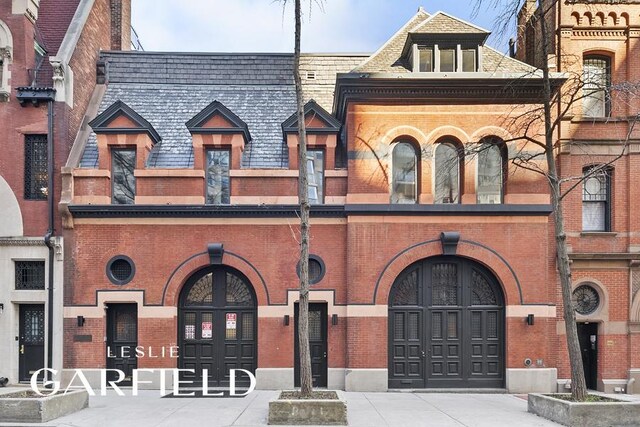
(168, 89)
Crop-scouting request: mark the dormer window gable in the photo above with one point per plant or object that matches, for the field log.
(322, 131)
(444, 44)
(120, 127)
(217, 129)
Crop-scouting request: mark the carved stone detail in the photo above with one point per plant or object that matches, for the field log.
(58, 71)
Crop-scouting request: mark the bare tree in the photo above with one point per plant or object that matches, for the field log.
(556, 104)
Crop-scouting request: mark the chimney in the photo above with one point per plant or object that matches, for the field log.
(120, 24)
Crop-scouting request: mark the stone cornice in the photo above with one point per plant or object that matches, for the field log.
(21, 242)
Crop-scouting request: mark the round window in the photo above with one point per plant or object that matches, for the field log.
(316, 269)
(120, 270)
(587, 299)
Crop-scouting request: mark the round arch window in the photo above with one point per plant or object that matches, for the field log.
(120, 270)
(317, 269)
(586, 299)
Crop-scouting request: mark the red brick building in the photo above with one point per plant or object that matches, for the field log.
(47, 78)
(433, 260)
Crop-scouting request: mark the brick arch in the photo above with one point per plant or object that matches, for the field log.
(448, 131)
(404, 130)
(475, 251)
(486, 131)
(188, 267)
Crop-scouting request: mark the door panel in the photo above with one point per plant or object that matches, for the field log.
(458, 306)
(588, 338)
(217, 327)
(317, 344)
(31, 342)
(122, 339)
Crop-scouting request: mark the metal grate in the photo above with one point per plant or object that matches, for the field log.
(35, 167)
(121, 269)
(407, 290)
(481, 292)
(414, 326)
(201, 293)
(444, 278)
(126, 328)
(29, 275)
(586, 299)
(436, 325)
(247, 326)
(398, 327)
(492, 324)
(476, 324)
(315, 326)
(237, 291)
(452, 325)
(34, 326)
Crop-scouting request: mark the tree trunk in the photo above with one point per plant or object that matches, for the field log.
(578, 384)
(303, 195)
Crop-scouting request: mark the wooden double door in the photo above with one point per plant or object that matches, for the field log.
(446, 326)
(217, 327)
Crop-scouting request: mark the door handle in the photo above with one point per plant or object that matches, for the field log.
(325, 354)
(423, 354)
(22, 349)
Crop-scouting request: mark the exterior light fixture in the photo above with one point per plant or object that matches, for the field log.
(334, 319)
(286, 320)
(1, 307)
(530, 319)
(80, 321)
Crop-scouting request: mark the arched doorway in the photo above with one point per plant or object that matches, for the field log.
(217, 328)
(446, 326)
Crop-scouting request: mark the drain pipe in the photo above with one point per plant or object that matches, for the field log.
(50, 230)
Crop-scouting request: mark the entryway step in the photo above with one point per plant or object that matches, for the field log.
(451, 390)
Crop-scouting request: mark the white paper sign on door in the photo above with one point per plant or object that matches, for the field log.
(207, 330)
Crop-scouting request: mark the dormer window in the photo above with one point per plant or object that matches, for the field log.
(445, 58)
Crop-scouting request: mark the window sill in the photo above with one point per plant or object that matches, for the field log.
(583, 119)
(598, 234)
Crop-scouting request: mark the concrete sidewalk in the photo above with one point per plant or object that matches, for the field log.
(365, 409)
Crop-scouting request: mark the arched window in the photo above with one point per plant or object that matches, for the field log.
(490, 173)
(447, 174)
(596, 76)
(6, 51)
(404, 183)
(596, 199)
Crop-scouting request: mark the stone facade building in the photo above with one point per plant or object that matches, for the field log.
(47, 78)
(432, 253)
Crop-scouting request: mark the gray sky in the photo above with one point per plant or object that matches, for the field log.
(262, 26)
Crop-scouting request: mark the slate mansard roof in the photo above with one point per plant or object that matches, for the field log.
(169, 89)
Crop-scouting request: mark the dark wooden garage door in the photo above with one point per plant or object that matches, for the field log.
(446, 326)
(217, 327)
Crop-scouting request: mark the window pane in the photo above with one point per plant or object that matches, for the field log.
(315, 175)
(403, 185)
(123, 182)
(447, 60)
(593, 216)
(469, 60)
(35, 167)
(218, 177)
(426, 60)
(489, 174)
(447, 174)
(596, 85)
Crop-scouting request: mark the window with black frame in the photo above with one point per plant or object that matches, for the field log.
(36, 178)
(315, 174)
(218, 184)
(123, 180)
(596, 199)
(596, 86)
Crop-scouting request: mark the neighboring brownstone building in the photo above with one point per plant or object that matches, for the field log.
(49, 52)
(433, 264)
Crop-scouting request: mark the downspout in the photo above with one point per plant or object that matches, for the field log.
(50, 230)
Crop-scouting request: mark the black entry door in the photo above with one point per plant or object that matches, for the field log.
(588, 337)
(446, 326)
(217, 328)
(31, 343)
(122, 339)
(317, 344)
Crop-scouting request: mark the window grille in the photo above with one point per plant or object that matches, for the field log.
(29, 275)
(36, 179)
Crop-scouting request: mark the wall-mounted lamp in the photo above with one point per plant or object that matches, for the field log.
(334, 319)
(1, 307)
(286, 320)
(80, 321)
(530, 319)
